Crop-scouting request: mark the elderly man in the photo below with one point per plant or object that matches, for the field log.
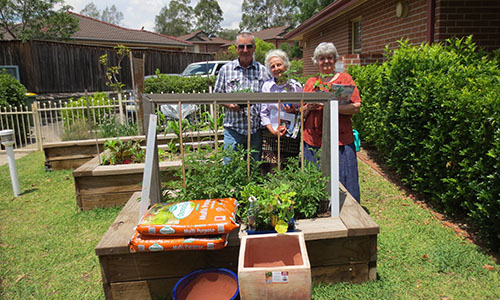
(242, 74)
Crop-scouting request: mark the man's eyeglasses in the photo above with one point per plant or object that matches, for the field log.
(242, 46)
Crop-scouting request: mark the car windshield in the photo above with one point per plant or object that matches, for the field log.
(198, 69)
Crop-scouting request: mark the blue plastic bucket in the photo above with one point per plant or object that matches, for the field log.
(184, 282)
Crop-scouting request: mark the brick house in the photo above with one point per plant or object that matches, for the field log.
(203, 42)
(360, 29)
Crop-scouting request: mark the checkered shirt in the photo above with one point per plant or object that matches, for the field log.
(232, 78)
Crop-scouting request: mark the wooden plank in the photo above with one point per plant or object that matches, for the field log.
(87, 168)
(169, 264)
(89, 185)
(131, 290)
(66, 164)
(355, 273)
(132, 168)
(339, 251)
(239, 99)
(87, 202)
(355, 218)
(116, 239)
(321, 228)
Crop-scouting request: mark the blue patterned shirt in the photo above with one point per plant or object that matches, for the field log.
(232, 78)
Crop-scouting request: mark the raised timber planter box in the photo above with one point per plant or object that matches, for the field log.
(106, 186)
(73, 154)
(274, 266)
(339, 249)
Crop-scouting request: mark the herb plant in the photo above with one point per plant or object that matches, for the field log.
(123, 152)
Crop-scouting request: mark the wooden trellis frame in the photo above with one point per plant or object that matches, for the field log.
(330, 156)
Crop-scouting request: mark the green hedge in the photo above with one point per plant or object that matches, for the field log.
(434, 113)
(12, 92)
(177, 84)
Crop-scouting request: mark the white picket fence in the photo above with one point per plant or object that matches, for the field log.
(46, 121)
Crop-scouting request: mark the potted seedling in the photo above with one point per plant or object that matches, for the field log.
(268, 210)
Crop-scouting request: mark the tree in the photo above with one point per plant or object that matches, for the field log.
(208, 16)
(263, 14)
(228, 34)
(308, 8)
(175, 19)
(109, 14)
(91, 10)
(112, 15)
(261, 48)
(37, 19)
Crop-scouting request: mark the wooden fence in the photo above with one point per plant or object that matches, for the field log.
(56, 67)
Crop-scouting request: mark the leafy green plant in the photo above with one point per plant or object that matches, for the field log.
(113, 72)
(111, 127)
(77, 109)
(433, 112)
(162, 83)
(123, 152)
(264, 208)
(208, 177)
(12, 92)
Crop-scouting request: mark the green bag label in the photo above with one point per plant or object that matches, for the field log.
(182, 210)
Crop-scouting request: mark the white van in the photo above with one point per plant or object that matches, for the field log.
(203, 68)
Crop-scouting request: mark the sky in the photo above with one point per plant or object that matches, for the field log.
(138, 13)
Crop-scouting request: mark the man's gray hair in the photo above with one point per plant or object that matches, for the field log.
(279, 54)
(245, 34)
(324, 49)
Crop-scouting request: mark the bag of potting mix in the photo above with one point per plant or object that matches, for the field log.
(141, 243)
(190, 218)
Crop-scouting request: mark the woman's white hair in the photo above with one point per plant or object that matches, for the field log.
(324, 49)
(277, 53)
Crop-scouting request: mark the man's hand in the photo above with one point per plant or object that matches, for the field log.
(235, 107)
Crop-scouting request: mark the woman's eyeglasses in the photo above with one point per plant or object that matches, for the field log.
(242, 46)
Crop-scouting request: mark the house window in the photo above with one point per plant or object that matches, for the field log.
(356, 35)
(12, 70)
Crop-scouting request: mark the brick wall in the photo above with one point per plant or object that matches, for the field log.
(381, 26)
(462, 18)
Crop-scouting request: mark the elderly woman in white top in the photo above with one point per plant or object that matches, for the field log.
(277, 63)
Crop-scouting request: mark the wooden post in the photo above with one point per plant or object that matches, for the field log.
(330, 153)
(215, 126)
(279, 135)
(249, 138)
(151, 191)
(36, 121)
(138, 66)
(302, 135)
(181, 144)
(120, 108)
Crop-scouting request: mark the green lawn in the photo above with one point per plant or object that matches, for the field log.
(47, 245)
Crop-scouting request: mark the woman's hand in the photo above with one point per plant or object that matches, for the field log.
(279, 132)
(289, 108)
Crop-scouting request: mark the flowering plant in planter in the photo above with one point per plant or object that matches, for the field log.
(267, 208)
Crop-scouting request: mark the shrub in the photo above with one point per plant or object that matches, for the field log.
(433, 111)
(111, 127)
(12, 92)
(77, 109)
(162, 83)
(78, 130)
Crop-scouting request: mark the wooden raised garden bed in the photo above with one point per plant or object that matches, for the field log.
(73, 154)
(105, 186)
(339, 249)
